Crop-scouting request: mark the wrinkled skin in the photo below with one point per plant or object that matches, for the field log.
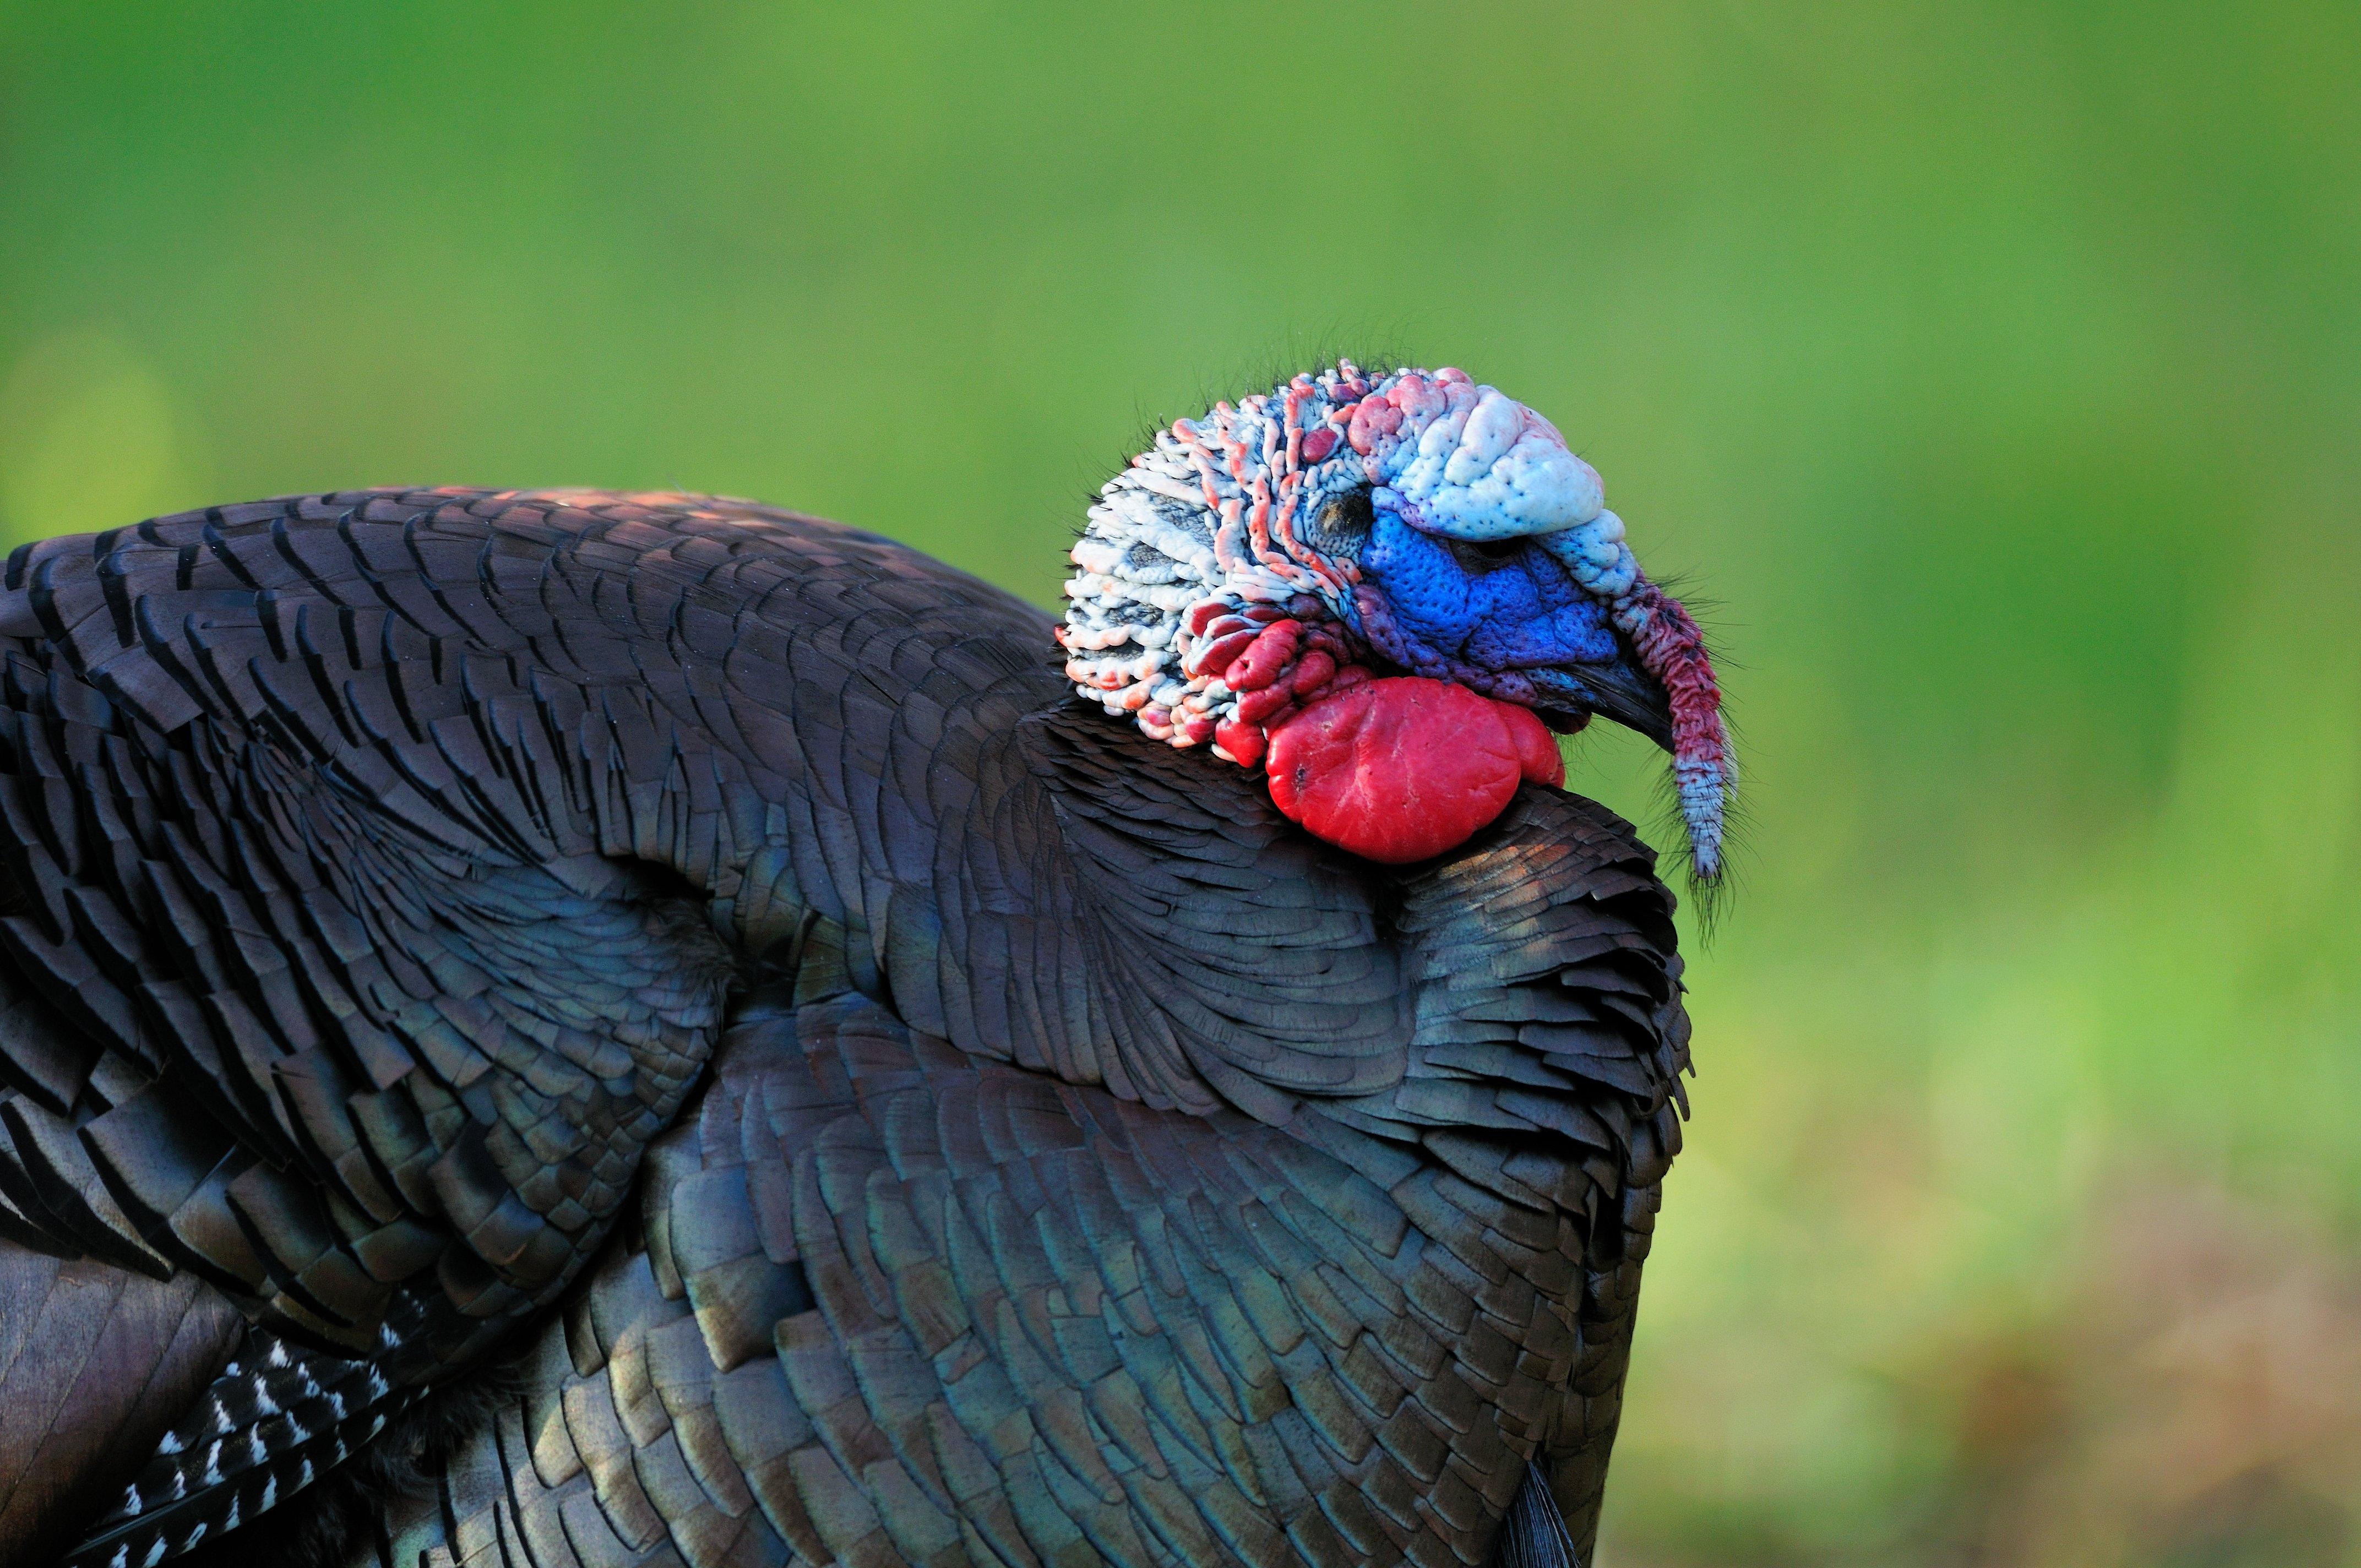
(1498, 607)
(1505, 618)
(1263, 558)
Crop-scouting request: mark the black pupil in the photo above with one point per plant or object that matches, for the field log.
(1345, 523)
(1487, 551)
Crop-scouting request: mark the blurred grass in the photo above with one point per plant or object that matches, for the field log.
(1996, 370)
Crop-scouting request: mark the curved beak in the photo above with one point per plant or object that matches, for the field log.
(1662, 684)
(1622, 691)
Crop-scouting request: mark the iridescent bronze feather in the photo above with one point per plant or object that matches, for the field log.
(674, 1012)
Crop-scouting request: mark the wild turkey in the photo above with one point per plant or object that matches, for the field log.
(573, 1028)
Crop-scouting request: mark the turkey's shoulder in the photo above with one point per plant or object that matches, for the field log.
(597, 585)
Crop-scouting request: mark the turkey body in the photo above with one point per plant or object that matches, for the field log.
(576, 1029)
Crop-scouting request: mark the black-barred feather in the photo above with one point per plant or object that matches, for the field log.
(275, 1420)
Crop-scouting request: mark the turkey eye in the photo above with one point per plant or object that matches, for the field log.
(1481, 555)
(1345, 523)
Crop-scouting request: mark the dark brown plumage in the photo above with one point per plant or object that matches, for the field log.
(872, 1107)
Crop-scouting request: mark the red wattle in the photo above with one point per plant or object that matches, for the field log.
(1259, 707)
(1263, 660)
(1537, 752)
(1311, 672)
(1395, 769)
(1245, 742)
(1218, 655)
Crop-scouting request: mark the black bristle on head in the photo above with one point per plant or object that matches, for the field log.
(1308, 353)
(1263, 374)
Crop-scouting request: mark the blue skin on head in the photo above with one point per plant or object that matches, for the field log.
(1517, 609)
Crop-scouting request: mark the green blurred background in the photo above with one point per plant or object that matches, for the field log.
(1995, 371)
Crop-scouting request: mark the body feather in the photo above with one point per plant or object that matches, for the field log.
(700, 964)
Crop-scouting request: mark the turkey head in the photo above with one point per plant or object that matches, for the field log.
(1387, 591)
